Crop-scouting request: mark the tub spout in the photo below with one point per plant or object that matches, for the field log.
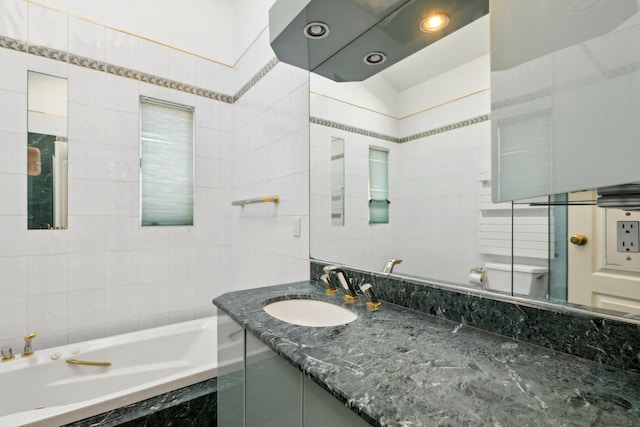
(28, 350)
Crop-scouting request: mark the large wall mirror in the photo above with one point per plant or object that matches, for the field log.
(431, 112)
(47, 152)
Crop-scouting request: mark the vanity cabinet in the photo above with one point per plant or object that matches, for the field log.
(565, 96)
(258, 388)
(230, 399)
(323, 410)
(273, 387)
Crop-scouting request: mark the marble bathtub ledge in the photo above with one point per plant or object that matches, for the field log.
(396, 366)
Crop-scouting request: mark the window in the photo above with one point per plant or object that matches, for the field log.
(378, 186)
(166, 163)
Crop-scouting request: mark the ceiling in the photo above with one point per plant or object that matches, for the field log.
(464, 45)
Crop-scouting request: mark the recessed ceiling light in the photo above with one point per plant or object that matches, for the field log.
(316, 30)
(375, 58)
(434, 22)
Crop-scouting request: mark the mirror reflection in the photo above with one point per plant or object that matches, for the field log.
(337, 182)
(430, 112)
(47, 152)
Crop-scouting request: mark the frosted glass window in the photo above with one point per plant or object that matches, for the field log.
(378, 186)
(166, 163)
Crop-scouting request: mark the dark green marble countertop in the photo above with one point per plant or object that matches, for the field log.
(398, 367)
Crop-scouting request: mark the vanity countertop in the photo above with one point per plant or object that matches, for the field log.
(398, 367)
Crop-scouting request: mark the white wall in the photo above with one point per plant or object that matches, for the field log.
(271, 156)
(106, 274)
(200, 27)
(435, 229)
(356, 243)
(433, 180)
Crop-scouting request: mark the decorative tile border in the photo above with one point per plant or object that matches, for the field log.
(521, 99)
(447, 128)
(256, 78)
(352, 129)
(571, 86)
(81, 61)
(427, 133)
(9, 43)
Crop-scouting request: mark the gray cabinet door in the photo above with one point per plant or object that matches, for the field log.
(321, 409)
(273, 388)
(230, 372)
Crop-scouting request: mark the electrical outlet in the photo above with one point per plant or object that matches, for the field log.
(628, 236)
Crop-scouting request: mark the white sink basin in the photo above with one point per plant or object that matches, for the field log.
(308, 312)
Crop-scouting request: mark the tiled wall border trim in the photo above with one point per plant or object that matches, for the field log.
(255, 79)
(352, 129)
(365, 132)
(81, 61)
(571, 86)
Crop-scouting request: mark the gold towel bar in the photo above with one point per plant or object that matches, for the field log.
(87, 363)
(275, 199)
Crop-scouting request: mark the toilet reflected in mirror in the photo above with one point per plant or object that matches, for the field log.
(524, 280)
(47, 152)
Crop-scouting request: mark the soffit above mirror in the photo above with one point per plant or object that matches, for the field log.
(387, 30)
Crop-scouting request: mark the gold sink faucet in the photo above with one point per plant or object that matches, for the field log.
(28, 350)
(388, 267)
(350, 292)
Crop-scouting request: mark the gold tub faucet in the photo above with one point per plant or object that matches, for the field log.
(28, 350)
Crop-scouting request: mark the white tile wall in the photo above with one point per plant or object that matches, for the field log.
(13, 19)
(14, 271)
(48, 28)
(433, 214)
(13, 110)
(270, 156)
(122, 49)
(47, 313)
(154, 58)
(12, 76)
(106, 274)
(87, 39)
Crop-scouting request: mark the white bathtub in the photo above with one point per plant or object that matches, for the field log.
(41, 391)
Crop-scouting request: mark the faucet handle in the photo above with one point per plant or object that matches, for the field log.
(331, 288)
(350, 292)
(7, 353)
(372, 300)
(28, 350)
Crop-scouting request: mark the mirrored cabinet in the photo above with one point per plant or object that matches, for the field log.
(565, 96)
